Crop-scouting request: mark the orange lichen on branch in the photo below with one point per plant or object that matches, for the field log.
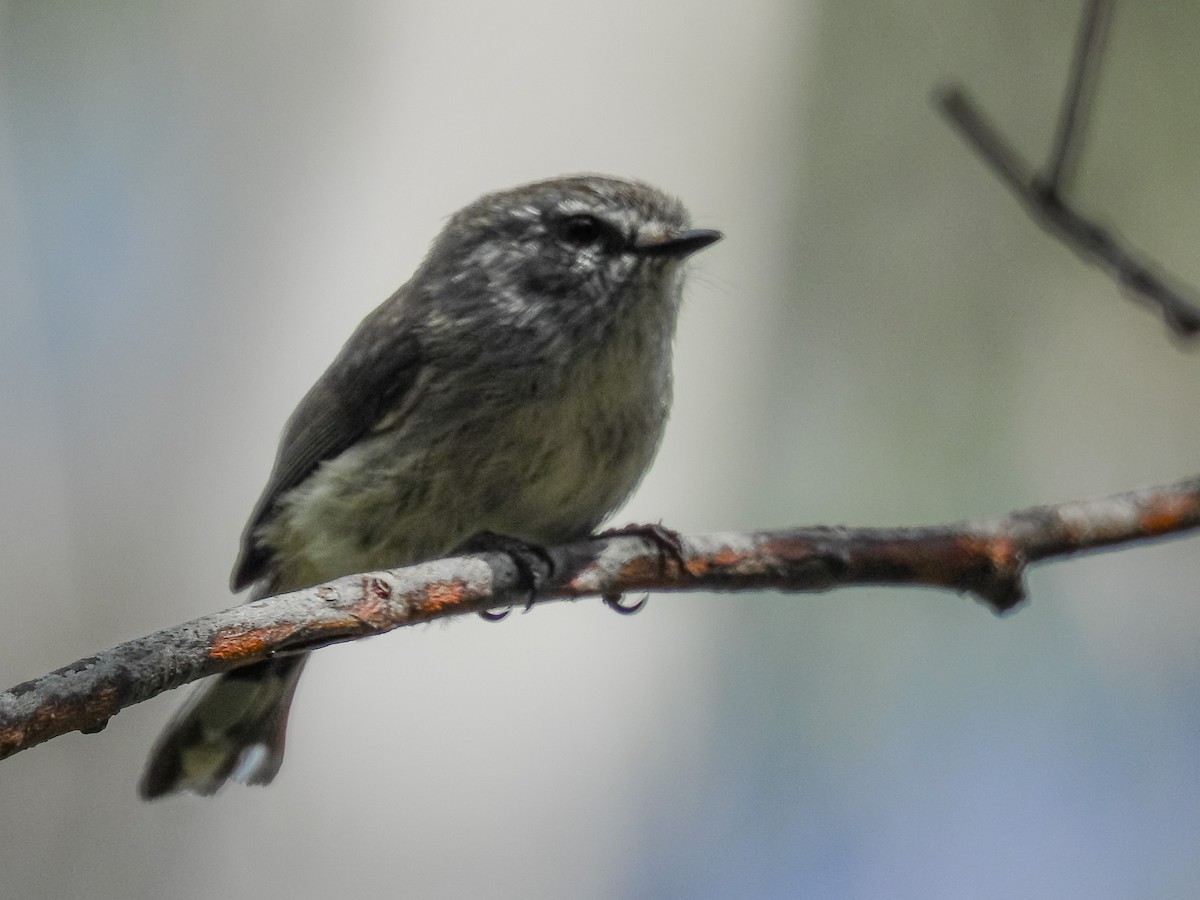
(443, 597)
(250, 645)
(1162, 515)
(373, 607)
(1004, 554)
(724, 558)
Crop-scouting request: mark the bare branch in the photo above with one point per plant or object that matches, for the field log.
(1042, 195)
(986, 559)
(1085, 71)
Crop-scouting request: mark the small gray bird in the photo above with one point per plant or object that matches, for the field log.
(518, 385)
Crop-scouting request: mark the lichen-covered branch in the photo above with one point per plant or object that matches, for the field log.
(986, 559)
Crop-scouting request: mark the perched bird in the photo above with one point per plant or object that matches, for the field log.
(518, 385)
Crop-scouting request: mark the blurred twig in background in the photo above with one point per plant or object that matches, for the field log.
(1042, 193)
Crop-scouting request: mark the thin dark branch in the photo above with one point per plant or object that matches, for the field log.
(985, 559)
(1077, 102)
(1092, 242)
(986, 140)
(1042, 195)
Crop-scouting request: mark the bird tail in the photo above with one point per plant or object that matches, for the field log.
(232, 727)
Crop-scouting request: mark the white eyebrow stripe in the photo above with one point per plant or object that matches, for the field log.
(574, 206)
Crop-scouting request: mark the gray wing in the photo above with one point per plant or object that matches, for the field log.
(367, 381)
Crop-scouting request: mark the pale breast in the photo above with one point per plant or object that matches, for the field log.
(545, 469)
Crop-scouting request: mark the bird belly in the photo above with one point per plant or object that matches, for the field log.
(546, 470)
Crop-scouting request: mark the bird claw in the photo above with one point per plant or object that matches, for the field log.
(488, 616)
(668, 542)
(534, 564)
(613, 602)
(670, 547)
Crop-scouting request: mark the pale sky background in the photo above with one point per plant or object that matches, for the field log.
(198, 202)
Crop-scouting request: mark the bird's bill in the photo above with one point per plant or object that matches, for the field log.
(679, 244)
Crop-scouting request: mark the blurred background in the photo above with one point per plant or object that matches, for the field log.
(198, 202)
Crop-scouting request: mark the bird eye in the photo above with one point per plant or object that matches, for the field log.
(584, 231)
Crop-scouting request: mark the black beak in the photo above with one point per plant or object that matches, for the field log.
(676, 245)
